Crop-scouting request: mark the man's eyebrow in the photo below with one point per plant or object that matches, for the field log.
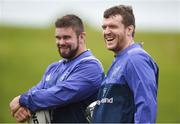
(56, 36)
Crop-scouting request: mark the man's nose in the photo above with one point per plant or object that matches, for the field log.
(107, 30)
(60, 41)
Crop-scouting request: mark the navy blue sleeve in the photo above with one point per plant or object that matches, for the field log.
(141, 77)
(82, 82)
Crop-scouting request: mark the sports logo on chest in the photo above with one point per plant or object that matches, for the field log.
(64, 76)
(115, 74)
(116, 71)
(48, 77)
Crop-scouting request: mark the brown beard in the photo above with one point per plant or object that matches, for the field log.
(71, 54)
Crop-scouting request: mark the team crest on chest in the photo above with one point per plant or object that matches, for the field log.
(116, 70)
(48, 77)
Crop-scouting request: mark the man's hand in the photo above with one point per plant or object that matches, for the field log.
(22, 114)
(14, 105)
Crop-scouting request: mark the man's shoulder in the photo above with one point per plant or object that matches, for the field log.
(137, 54)
(139, 58)
(89, 59)
(54, 64)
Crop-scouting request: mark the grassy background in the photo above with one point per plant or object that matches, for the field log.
(26, 52)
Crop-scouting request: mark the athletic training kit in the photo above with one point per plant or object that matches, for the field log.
(129, 91)
(68, 86)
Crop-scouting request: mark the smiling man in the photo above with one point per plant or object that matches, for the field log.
(128, 93)
(68, 86)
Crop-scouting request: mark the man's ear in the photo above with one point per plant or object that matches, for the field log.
(82, 37)
(130, 30)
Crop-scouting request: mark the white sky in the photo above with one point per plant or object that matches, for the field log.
(150, 14)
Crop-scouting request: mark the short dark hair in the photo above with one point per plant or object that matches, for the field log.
(125, 11)
(70, 21)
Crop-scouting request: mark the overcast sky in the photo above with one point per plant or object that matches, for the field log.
(150, 14)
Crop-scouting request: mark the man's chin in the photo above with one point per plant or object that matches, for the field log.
(68, 54)
(64, 56)
(109, 48)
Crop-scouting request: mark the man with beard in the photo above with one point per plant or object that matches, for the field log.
(68, 86)
(128, 93)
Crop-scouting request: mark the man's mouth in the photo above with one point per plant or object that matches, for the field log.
(62, 47)
(109, 38)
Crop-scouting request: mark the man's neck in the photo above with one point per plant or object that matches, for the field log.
(79, 52)
(129, 43)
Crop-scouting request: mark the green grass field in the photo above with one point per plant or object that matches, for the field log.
(26, 52)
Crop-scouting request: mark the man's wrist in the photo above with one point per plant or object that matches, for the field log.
(23, 100)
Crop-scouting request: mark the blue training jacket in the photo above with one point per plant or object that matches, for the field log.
(129, 91)
(67, 88)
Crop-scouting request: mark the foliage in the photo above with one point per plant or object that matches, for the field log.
(26, 52)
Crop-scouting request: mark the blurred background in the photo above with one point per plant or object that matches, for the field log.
(27, 44)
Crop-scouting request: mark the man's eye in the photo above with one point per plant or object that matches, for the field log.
(113, 26)
(57, 37)
(103, 27)
(66, 37)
